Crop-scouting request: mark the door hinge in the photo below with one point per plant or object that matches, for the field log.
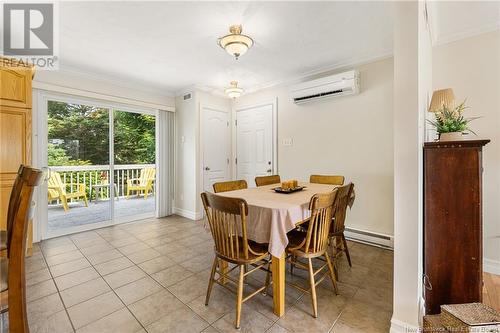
(236, 160)
(228, 161)
(228, 123)
(236, 122)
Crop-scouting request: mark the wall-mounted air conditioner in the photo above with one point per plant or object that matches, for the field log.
(342, 84)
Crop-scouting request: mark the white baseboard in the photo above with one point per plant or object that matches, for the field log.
(369, 237)
(398, 326)
(491, 266)
(187, 213)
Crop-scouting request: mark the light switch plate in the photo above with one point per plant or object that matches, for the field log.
(287, 142)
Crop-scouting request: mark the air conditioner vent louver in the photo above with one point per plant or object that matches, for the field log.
(342, 84)
(187, 96)
(318, 95)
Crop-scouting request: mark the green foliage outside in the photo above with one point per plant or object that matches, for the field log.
(79, 135)
(134, 138)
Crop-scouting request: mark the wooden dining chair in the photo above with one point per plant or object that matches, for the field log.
(267, 180)
(231, 185)
(313, 243)
(326, 179)
(338, 242)
(12, 281)
(227, 220)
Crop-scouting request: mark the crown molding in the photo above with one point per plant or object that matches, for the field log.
(200, 87)
(141, 86)
(466, 33)
(289, 79)
(441, 39)
(322, 70)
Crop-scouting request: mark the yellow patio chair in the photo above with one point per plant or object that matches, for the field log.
(57, 190)
(144, 183)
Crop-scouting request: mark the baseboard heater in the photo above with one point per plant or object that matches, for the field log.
(370, 238)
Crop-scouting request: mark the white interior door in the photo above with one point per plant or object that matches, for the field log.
(216, 146)
(254, 143)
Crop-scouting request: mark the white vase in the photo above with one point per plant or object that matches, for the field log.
(452, 136)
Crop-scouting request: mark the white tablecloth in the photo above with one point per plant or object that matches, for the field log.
(271, 215)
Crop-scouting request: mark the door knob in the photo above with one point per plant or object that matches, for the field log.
(207, 168)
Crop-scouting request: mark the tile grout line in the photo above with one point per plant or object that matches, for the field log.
(147, 274)
(114, 292)
(166, 288)
(58, 292)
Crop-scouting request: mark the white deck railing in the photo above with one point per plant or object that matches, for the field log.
(90, 175)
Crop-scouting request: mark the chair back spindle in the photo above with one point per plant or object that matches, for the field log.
(55, 183)
(321, 207)
(227, 220)
(147, 175)
(343, 197)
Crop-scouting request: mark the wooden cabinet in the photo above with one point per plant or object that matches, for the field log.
(453, 256)
(15, 129)
(16, 86)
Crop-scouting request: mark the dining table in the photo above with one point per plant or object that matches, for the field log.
(271, 215)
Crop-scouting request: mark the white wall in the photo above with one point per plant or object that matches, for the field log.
(186, 120)
(86, 83)
(189, 181)
(471, 67)
(412, 85)
(350, 135)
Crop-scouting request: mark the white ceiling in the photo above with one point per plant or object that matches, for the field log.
(169, 46)
(173, 45)
(453, 20)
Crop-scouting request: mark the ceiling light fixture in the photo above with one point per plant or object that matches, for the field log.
(233, 91)
(235, 43)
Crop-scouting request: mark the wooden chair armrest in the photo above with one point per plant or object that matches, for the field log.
(132, 180)
(57, 188)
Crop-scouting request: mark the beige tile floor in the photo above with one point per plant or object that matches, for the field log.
(151, 276)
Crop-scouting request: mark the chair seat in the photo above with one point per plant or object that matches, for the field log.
(295, 237)
(3, 240)
(256, 247)
(4, 274)
(75, 194)
(336, 233)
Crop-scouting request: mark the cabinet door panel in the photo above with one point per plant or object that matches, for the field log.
(16, 87)
(13, 140)
(5, 189)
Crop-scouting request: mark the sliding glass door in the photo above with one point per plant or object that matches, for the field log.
(134, 164)
(102, 163)
(78, 156)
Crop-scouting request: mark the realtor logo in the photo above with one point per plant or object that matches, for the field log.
(28, 33)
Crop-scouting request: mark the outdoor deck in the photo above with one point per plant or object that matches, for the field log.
(98, 211)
